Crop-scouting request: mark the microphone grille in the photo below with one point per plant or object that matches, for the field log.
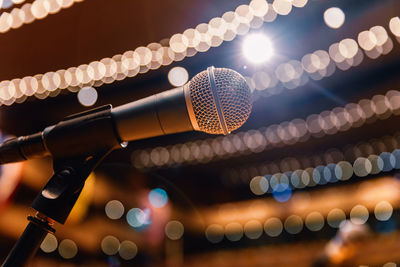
(221, 100)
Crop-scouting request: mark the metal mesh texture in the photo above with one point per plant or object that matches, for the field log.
(233, 94)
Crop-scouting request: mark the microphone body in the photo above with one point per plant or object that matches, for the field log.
(103, 128)
(215, 101)
(163, 113)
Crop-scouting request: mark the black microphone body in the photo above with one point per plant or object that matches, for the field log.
(100, 129)
(215, 101)
(163, 113)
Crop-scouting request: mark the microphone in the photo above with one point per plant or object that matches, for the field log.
(215, 101)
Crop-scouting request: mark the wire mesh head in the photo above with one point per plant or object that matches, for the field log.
(221, 103)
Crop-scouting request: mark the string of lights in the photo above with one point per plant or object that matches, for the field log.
(110, 245)
(224, 220)
(29, 12)
(273, 226)
(319, 64)
(142, 59)
(281, 185)
(286, 133)
(200, 39)
(310, 210)
(284, 183)
(373, 150)
(252, 224)
(293, 224)
(278, 184)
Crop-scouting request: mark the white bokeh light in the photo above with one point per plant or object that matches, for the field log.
(174, 230)
(110, 245)
(128, 250)
(114, 209)
(67, 249)
(178, 76)
(87, 96)
(257, 48)
(214, 233)
(50, 242)
(334, 17)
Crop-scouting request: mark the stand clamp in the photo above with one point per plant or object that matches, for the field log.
(73, 162)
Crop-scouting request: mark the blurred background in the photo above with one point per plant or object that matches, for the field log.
(310, 180)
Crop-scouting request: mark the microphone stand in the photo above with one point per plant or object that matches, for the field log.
(53, 204)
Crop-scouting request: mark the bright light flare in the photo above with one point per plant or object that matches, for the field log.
(257, 48)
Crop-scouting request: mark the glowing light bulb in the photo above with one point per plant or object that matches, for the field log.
(257, 48)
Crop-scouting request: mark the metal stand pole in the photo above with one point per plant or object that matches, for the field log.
(29, 241)
(53, 203)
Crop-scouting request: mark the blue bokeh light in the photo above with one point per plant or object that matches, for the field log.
(158, 197)
(282, 192)
(396, 155)
(331, 167)
(138, 219)
(113, 262)
(389, 161)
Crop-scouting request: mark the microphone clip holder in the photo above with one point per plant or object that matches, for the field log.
(54, 203)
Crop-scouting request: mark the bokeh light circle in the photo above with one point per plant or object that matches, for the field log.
(214, 233)
(362, 167)
(314, 221)
(253, 229)
(234, 231)
(158, 197)
(389, 161)
(282, 192)
(273, 227)
(110, 245)
(343, 170)
(178, 76)
(293, 224)
(127, 250)
(359, 214)
(138, 218)
(376, 163)
(49, 243)
(394, 26)
(335, 217)
(383, 211)
(259, 185)
(87, 96)
(334, 17)
(114, 209)
(67, 249)
(174, 230)
(282, 7)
